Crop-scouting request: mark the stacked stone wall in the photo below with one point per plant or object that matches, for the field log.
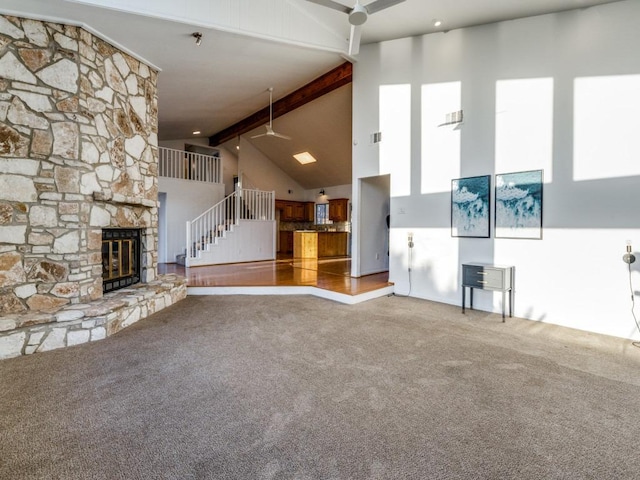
(78, 153)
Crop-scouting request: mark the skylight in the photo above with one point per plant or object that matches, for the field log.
(304, 158)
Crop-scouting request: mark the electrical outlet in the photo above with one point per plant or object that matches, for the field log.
(629, 257)
(377, 256)
(410, 239)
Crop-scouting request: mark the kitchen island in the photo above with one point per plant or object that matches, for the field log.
(305, 244)
(314, 244)
(332, 244)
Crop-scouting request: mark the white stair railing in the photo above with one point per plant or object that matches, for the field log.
(243, 204)
(189, 165)
(256, 204)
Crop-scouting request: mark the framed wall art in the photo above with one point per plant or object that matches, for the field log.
(470, 207)
(519, 205)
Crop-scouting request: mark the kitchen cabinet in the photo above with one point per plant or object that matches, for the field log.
(298, 212)
(309, 212)
(286, 241)
(291, 211)
(312, 244)
(289, 214)
(339, 209)
(332, 244)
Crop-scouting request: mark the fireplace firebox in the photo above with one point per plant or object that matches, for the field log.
(120, 258)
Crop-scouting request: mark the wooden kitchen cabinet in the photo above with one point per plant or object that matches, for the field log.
(339, 210)
(299, 214)
(295, 211)
(332, 244)
(286, 241)
(309, 212)
(288, 214)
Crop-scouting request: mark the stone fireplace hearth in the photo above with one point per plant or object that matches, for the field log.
(78, 154)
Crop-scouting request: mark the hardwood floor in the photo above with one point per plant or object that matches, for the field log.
(326, 273)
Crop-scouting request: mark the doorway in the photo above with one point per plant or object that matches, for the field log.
(373, 232)
(162, 227)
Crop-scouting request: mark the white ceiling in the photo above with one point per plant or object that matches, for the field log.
(210, 87)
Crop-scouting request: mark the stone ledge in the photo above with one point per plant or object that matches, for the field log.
(111, 197)
(80, 323)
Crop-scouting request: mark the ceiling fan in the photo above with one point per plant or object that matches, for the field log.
(357, 16)
(269, 127)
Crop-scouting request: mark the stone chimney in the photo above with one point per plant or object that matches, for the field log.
(78, 153)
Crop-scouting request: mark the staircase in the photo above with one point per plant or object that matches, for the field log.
(239, 228)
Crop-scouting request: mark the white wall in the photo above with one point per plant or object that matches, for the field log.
(184, 200)
(557, 92)
(330, 193)
(229, 169)
(250, 241)
(263, 174)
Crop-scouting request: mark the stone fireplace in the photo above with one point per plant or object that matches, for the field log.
(78, 157)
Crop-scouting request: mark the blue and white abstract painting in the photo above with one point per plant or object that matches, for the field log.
(519, 205)
(470, 207)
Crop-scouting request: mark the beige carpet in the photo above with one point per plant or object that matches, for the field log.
(303, 388)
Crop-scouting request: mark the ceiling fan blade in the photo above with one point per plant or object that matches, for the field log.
(279, 135)
(268, 132)
(378, 5)
(331, 4)
(354, 40)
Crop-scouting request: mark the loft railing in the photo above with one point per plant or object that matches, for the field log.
(243, 204)
(189, 166)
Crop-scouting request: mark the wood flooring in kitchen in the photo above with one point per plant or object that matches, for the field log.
(326, 273)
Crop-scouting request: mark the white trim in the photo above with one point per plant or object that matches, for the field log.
(194, 23)
(88, 28)
(303, 290)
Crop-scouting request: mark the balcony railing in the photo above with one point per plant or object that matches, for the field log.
(189, 166)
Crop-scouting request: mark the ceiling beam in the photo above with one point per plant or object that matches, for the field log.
(336, 78)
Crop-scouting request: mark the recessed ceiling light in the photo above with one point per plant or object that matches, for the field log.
(304, 158)
(437, 23)
(197, 132)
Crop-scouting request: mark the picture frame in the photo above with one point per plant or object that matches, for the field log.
(470, 207)
(518, 205)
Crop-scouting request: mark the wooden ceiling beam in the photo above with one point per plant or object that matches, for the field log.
(336, 78)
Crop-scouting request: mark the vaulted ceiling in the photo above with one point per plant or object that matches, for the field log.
(251, 45)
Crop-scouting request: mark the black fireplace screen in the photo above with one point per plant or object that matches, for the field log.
(120, 258)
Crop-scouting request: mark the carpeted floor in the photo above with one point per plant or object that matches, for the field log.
(247, 387)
